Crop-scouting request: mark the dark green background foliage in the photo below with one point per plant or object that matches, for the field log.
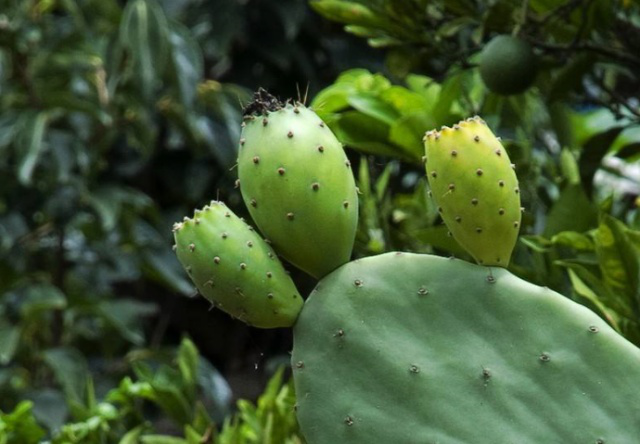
(117, 118)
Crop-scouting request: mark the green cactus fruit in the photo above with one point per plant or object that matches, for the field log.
(235, 269)
(297, 182)
(407, 348)
(475, 188)
(508, 65)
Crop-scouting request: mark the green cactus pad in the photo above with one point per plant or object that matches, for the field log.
(406, 348)
(297, 183)
(235, 269)
(475, 187)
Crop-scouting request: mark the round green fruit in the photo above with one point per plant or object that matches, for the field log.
(508, 65)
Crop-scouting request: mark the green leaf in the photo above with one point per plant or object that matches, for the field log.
(133, 435)
(582, 289)
(188, 358)
(125, 316)
(438, 238)
(144, 33)
(49, 407)
(363, 133)
(539, 244)
(574, 240)
(67, 101)
(187, 63)
(192, 436)
(12, 227)
(9, 341)
(617, 305)
(332, 99)
(619, 260)
(31, 145)
(573, 211)
(349, 13)
(362, 31)
(373, 107)
(162, 266)
(40, 298)
(449, 94)
(19, 426)
(569, 77)
(166, 389)
(408, 131)
(71, 371)
(569, 166)
(456, 26)
(161, 439)
(216, 392)
(405, 101)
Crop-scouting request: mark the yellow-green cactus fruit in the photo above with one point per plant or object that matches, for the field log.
(475, 187)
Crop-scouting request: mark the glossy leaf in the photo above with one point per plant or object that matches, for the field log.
(31, 145)
(619, 260)
(9, 340)
(71, 371)
(186, 61)
(562, 216)
(348, 12)
(124, 315)
(144, 33)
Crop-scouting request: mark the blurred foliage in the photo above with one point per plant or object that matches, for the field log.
(96, 98)
(19, 426)
(180, 386)
(270, 421)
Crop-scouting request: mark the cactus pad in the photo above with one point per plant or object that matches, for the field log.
(406, 348)
(234, 268)
(297, 183)
(475, 188)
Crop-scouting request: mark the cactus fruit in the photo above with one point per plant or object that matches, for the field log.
(508, 65)
(475, 188)
(297, 183)
(407, 348)
(235, 268)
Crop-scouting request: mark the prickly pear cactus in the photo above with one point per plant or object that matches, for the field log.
(475, 187)
(406, 348)
(297, 183)
(235, 268)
